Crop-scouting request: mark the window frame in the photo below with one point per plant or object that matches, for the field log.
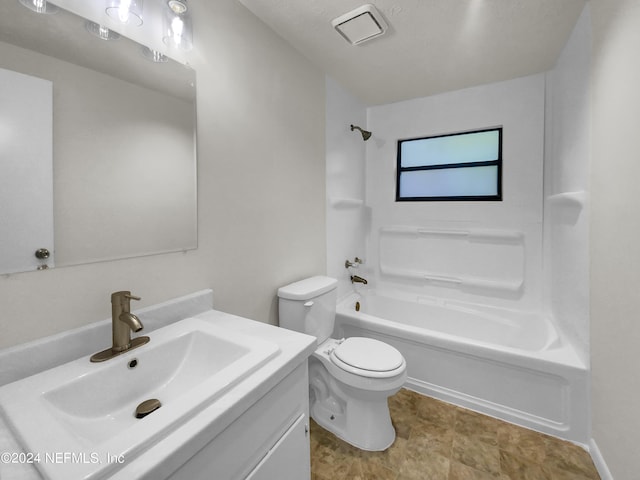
(448, 166)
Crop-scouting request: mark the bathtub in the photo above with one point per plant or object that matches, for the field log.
(508, 364)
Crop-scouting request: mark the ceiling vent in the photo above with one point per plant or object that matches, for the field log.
(360, 25)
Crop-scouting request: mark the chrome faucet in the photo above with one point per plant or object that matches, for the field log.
(122, 322)
(357, 279)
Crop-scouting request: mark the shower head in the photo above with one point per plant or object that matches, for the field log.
(365, 134)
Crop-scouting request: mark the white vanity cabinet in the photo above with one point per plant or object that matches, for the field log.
(289, 458)
(268, 441)
(255, 428)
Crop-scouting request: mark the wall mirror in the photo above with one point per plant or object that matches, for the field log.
(103, 139)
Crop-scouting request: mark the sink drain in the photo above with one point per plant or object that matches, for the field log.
(147, 407)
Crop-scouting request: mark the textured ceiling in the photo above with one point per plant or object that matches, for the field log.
(432, 46)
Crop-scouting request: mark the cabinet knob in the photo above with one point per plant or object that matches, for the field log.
(42, 253)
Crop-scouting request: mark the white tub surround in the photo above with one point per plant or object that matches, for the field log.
(487, 252)
(347, 217)
(508, 364)
(567, 159)
(477, 260)
(252, 430)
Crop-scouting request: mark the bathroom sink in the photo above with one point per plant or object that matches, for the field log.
(81, 417)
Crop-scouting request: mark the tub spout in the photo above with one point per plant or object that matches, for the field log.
(357, 279)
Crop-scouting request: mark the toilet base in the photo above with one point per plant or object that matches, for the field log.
(359, 417)
(373, 435)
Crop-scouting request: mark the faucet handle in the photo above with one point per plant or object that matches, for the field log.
(122, 297)
(356, 261)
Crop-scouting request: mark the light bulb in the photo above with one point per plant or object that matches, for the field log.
(39, 6)
(178, 30)
(125, 11)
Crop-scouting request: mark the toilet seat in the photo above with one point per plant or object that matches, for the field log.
(367, 357)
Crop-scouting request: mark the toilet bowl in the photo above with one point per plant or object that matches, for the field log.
(349, 379)
(351, 401)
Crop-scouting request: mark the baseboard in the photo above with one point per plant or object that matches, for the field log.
(598, 461)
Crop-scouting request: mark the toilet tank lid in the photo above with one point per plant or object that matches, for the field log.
(307, 288)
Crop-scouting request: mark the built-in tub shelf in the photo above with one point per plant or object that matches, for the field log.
(566, 208)
(472, 234)
(343, 203)
(461, 282)
(576, 199)
(477, 260)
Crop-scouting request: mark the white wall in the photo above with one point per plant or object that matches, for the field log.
(346, 213)
(566, 171)
(518, 106)
(261, 191)
(615, 229)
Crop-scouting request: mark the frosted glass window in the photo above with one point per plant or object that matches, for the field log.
(458, 166)
(470, 147)
(447, 182)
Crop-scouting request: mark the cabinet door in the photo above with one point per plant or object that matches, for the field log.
(289, 458)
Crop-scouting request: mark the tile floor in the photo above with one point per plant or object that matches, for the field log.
(439, 441)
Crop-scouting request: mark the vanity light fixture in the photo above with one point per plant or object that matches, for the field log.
(39, 6)
(154, 55)
(360, 25)
(125, 11)
(100, 31)
(178, 32)
(178, 6)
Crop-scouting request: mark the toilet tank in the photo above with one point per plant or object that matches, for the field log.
(309, 306)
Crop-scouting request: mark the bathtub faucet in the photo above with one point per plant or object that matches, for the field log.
(356, 262)
(357, 279)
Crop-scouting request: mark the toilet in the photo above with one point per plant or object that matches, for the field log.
(349, 379)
